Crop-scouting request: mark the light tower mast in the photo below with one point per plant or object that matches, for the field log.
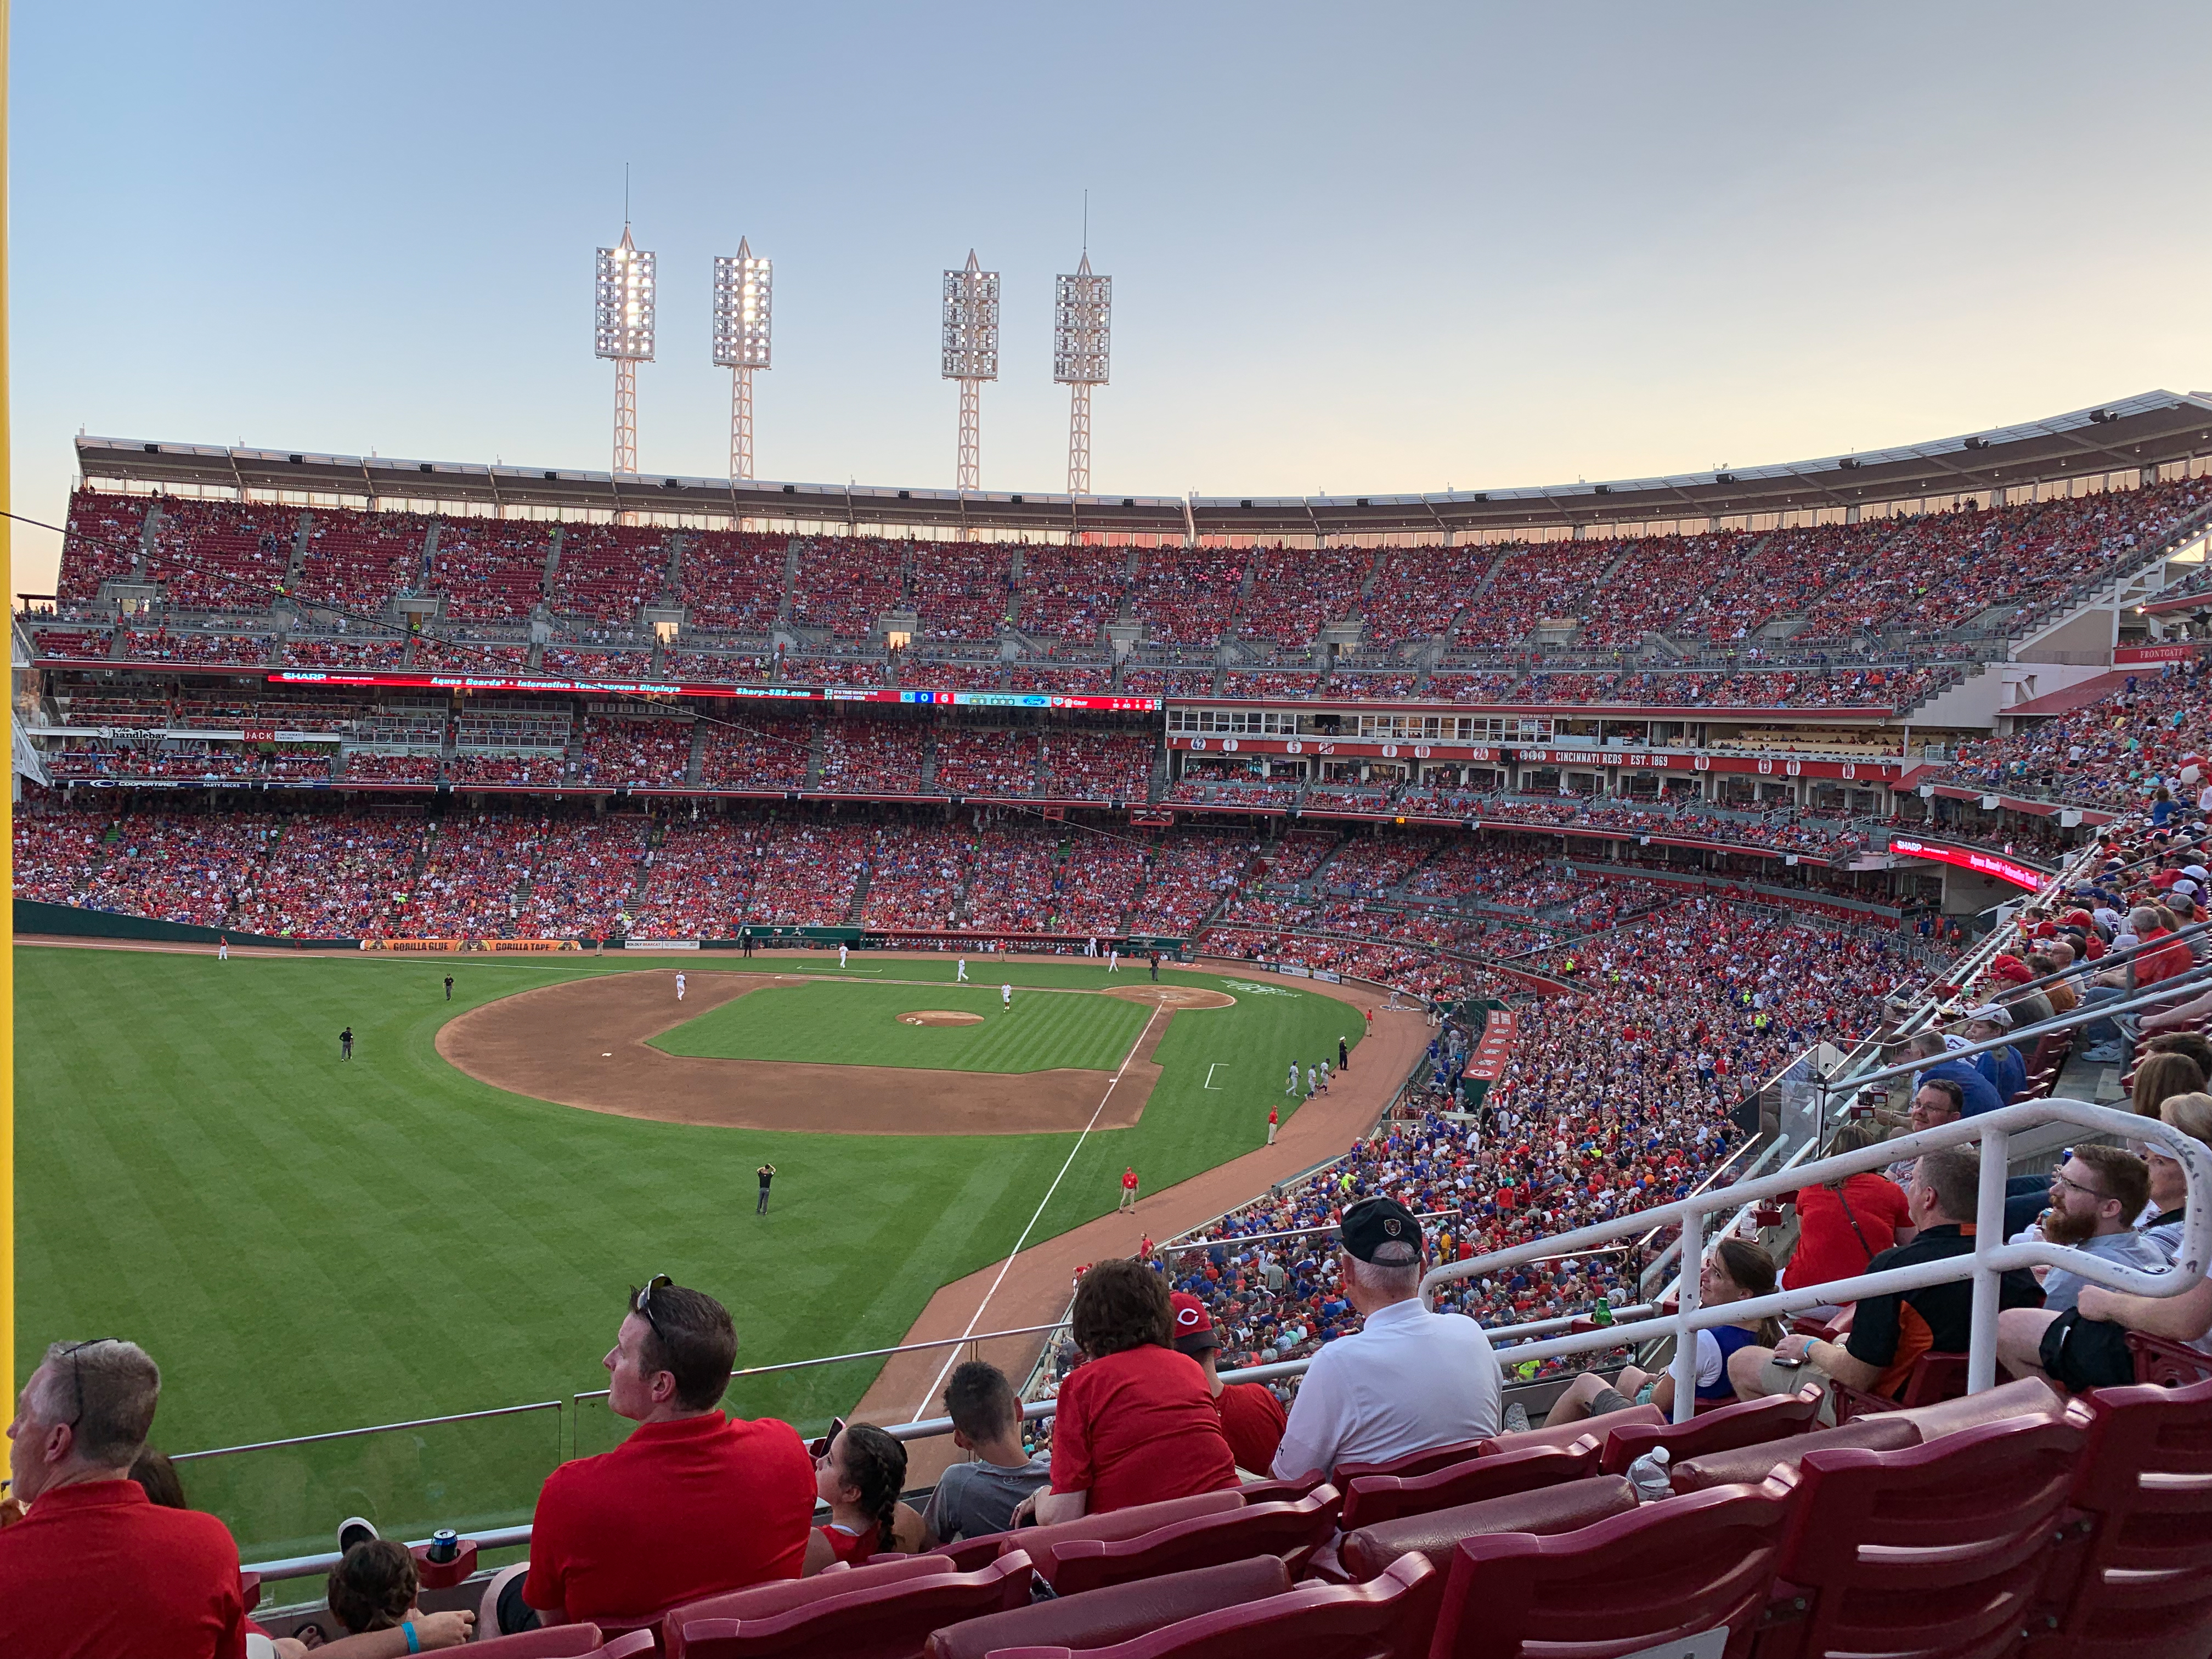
(743, 290)
(623, 330)
(971, 353)
(1082, 338)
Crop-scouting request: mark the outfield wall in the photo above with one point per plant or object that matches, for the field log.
(75, 921)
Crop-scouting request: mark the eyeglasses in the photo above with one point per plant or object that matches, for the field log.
(77, 1372)
(642, 1300)
(2059, 1180)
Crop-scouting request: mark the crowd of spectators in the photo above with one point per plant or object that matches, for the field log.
(2117, 751)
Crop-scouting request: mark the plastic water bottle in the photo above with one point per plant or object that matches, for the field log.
(1648, 1476)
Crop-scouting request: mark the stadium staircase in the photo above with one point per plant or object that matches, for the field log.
(695, 768)
(928, 776)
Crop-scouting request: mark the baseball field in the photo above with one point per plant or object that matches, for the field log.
(309, 1244)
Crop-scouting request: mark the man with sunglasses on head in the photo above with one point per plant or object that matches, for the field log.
(693, 1504)
(93, 1569)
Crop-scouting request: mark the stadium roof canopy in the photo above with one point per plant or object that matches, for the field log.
(2153, 429)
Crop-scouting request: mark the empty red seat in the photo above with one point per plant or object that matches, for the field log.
(1937, 1549)
(1293, 1531)
(1390, 1616)
(567, 1641)
(881, 1621)
(1039, 1543)
(1742, 1423)
(1437, 1533)
(761, 1600)
(2143, 1586)
(1376, 1497)
(1884, 1431)
(1099, 1618)
(1623, 1585)
(2029, 1397)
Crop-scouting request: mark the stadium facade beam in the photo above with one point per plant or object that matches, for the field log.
(744, 296)
(1082, 351)
(970, 344)
(621, 329)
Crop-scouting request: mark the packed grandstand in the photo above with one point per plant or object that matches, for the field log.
(1671, 823)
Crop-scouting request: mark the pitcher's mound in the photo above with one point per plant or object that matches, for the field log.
(1172, 996)
(940, 1016)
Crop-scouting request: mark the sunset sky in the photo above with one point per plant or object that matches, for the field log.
(1353, 249)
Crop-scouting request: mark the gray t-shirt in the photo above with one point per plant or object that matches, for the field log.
(2130, 1250)
(972, 1499)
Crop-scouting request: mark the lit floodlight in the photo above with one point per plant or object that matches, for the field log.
(1082, 349)
(622, 329)
(743, 288)
(971, 354)
(623, 325)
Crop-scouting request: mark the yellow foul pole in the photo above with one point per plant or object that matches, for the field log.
(7, 828)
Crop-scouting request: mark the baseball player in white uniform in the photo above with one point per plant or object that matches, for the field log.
(960, 971)
(679, 987)
(841, 956)
(1006, 997)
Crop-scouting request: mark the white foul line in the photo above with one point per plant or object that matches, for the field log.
(953, 1355)
(1210, 1071)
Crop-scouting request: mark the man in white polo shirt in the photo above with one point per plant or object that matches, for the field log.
(1409, 1380)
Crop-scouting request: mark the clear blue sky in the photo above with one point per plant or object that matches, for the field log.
(1353, 249)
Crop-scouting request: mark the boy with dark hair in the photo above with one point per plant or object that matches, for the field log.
(973, 1499)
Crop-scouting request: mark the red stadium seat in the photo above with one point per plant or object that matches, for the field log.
(1886, 1431)
(1567, 1433)
(762, 1600)
(1099, 1618)
(1939, 1550)
(1293, 1531)
(1624, 1585)
(882, 1621)
(1388, 1617)
(1276, 1491)
(1742, 1423)
(2169, 1364)
(2143, 1586)
(1413, 1463)
(555, 1642)
(1038, 1543)
(1378, 1497)
(1436, 1534)
(1933, 1376)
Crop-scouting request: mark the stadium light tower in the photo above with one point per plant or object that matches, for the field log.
(971, 353)
(623, 330)
(743, 288)
(1081, 339)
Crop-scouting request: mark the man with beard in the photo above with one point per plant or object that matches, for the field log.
(2095, 1197)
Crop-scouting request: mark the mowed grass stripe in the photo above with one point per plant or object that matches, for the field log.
(858, 1024)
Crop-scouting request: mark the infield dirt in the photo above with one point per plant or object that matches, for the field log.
(586, 1042)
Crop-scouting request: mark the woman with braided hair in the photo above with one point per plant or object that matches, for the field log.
(859, 1472)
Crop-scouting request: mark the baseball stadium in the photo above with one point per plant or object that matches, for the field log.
(1616, 1068)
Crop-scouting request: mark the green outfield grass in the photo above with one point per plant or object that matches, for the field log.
(307, 1244)
(857, 1025)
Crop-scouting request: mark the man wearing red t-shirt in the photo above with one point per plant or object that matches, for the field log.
(1252, 1419)
(1129, 1189)
(93, 1571)
(692, 1505)
(1135, 1424)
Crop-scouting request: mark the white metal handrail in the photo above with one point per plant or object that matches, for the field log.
(1990, 1259)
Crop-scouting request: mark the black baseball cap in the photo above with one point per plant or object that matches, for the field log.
(1374, 1222)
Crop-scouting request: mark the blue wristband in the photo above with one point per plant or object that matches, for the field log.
(413, 1642)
